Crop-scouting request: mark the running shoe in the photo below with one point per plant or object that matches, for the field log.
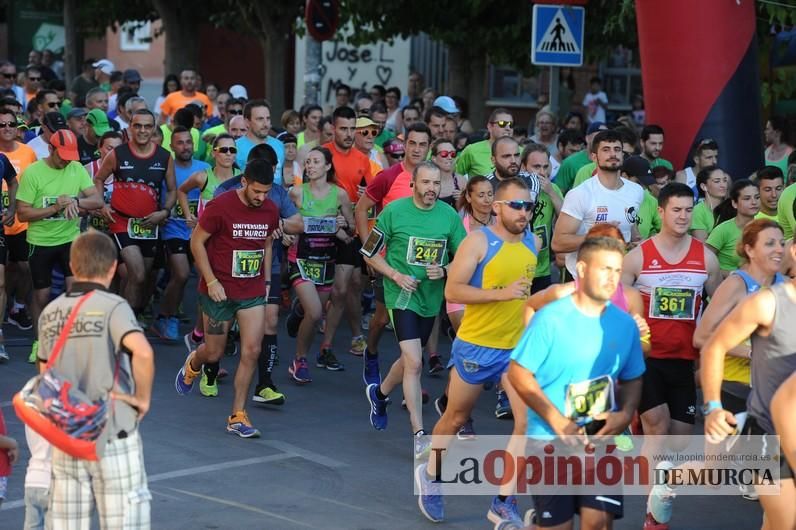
(358, 345)
(299, 370)
(206, 388)
(504, 511)
(659, 503)
(268, 395)
(183, 383)
(326, 359)
(422, 443)
(466, 432)
(34, 352)
(172, 329)
(294, 318)
(503, 407)
(20, 319)
(378, 408)
(222, 373)
(190, 344)
(434, 364)
(370, 369)
(239, 424)
(749, 493)
(162, 327)
(3, 353)
(430, 499)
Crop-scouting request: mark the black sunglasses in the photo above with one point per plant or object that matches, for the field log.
(235, 112)
(4, 124)
(9, 76)
(225, 150)
(519, 205)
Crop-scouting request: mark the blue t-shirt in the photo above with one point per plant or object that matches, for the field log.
(604, 345)
(175, 227)
(278, 195)
(244, 145)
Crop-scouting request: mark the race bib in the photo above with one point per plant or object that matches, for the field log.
(673, 303)
(46, 203)
(6, 201)
(589, 398)
(312, 271)
(424, 252)
(98, 223)
(136, 230)
(193, 207)
(247, 263)
(542, 232)
(320, 225)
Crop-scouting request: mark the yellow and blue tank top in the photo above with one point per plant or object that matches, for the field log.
(499, 324)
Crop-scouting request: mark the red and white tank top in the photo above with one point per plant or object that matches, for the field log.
(672, 295)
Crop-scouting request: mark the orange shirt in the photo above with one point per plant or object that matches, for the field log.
(350, 169)
(21, 157)
(176, 100)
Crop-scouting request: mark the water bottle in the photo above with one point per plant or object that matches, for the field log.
(403, 298)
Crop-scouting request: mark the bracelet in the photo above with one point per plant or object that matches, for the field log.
(215, 280)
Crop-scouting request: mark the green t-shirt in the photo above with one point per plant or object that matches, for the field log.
(430, 233)
(649, 221)
(40, 186)
(762, 215)
(199, 146)
(569, 169)
(723, 238)
(383, 136)
(702, 218)
(785, 216)
(584, 174)
(215, 130)
(475, 159)
(543, 227)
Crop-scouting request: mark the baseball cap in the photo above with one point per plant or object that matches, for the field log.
(447, 104)
(131, 75)
(287, 138)
(364, 121)
(54, 121)
(78, 112)
(636, 166)
(595, 126)
(238, 91)
(65, 144)
(98, 121)
(394, 147)
(105, 66)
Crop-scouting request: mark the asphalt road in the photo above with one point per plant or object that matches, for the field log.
(319, 463)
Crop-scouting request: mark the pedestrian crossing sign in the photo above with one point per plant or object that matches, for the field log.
(557, 35)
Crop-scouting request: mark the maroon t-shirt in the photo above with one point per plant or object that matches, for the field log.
(236, 248)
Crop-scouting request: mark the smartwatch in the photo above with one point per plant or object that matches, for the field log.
(710, 406)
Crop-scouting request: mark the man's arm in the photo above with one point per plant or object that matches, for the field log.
(171, 186)
(364, 204)
(105, 170)
(143, 368)
(27, 213)
(714, 272)
(565, 238)
(293, 225)
(524, 382)
(90, 199)
(631, 266)
(8, 215)
(782, 413)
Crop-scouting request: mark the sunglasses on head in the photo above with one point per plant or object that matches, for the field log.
(446, 154)
(235, 112)
(519, 205)
(225, 150)
(503, 123)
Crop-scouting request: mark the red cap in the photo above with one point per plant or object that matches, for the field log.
(65, 143)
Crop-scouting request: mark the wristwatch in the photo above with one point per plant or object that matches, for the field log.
(710, 406)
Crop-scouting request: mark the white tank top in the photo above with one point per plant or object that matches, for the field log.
(690, 178)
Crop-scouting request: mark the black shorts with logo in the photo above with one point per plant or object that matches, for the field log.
(670, 382)
(148, 247)
(553, 510)
(43, 260)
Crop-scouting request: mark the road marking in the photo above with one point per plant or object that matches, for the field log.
(305, 454)
(4, 404)
(241, 506)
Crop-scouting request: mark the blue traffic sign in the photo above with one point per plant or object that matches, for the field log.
(557, 35)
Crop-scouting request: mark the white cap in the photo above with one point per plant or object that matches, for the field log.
(105, 66)
(238, 91)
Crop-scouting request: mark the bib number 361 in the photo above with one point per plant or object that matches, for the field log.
(246, 263)
(673, 303)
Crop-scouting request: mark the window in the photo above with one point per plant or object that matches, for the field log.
(135, 36)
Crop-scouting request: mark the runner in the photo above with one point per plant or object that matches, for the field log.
(176, 237)
(706, 154)
(604, 198)
(735, 212)
(418, 233)
(353, 174)
(771, 182)
(109, 141)
(49, 199)
(327, 215)
(549, 359)
(444, 155)
(231, 246)
(652, 145)
(672, 305)
(492, 276)
(186, 94)
(713, 184)
(9, 176)
(141, 169)
(766, 316)
(257, 114)
(476, 158)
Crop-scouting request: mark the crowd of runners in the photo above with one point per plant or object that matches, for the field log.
(390, 213)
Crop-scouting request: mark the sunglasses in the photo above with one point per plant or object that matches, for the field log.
(519, 205)
(146, 126)
(235, 112)
(503, 123)
(4, 124)
(53, 105)
(368, 132)
(397, 156)
(34, 79)
(226, 150)
(9, 76)
(446, 154)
